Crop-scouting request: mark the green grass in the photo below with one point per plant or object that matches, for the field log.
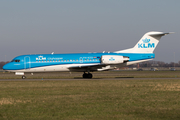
(90, 99)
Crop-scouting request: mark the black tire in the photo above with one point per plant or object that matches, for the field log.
(84, 75)
(89, 75)
(23, 77)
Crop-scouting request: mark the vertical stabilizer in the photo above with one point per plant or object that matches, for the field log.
(146, 44)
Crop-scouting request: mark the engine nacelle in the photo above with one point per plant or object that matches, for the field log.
(113, 59)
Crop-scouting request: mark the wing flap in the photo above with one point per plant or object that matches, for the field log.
(86, 67)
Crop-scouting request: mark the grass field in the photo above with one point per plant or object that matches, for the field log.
(91, 99)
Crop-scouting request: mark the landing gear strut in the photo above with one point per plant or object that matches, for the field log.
(23, 77)
(87, 75)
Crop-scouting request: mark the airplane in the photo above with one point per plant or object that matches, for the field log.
(86, 62)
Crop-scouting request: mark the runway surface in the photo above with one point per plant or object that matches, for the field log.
(89, 79)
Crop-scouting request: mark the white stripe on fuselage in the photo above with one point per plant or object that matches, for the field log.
(52, 68)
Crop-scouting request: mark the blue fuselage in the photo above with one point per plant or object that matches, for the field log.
(47, 60)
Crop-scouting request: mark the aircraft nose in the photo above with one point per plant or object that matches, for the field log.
(6, 67)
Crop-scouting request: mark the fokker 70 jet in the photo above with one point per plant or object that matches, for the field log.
(86, 62)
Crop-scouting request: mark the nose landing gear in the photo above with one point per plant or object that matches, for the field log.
(23, 77)
(87, 75)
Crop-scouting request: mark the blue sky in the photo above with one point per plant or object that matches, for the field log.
(73, 26)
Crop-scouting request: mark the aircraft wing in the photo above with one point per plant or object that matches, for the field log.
(86, 67)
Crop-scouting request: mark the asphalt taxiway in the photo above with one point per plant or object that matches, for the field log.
(88, 79)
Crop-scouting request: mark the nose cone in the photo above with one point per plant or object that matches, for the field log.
(6, 67)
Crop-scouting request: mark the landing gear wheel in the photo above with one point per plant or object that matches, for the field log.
(23, 77)
(87, 75)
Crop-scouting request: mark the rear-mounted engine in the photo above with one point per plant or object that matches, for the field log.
(113, 59)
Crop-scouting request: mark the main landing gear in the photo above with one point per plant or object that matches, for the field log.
(87, 75)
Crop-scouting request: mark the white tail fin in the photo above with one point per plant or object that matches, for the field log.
(146, 44)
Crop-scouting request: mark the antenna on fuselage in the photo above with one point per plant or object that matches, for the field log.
(52, 53)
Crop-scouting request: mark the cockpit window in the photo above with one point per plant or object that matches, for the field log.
(15, 61)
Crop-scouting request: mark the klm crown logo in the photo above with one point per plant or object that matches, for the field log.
(111, 59)
(146, 40)
(146, 44)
